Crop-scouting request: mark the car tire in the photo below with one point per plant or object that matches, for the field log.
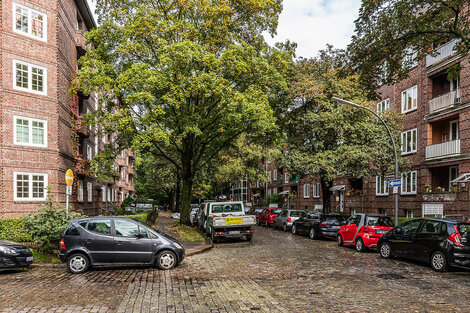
(78, 263)
(439, 262)
(166, 260)
(339, 240)
(360, 247)
(266, 223)
(313, 233)
(294, 230)
(385, 250)
(213, 237)
(284, 227)
(249, 237)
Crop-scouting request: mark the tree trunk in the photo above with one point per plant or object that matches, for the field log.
(178, 193)
(325, 189)
(187, 178)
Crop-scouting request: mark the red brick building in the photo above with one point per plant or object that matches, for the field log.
(435, 138)
(41, 133)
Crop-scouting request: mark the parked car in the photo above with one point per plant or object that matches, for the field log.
(193, 214)
(440, 243)
(286, 218)
(14, 255)
(112, 240)
(267, 216)
(318, 225)
(364, 230)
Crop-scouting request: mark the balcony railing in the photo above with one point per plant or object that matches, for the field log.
(442, 102)
(443, 52)
(444, 149)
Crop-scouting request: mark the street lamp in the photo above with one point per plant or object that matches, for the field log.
(391, 137)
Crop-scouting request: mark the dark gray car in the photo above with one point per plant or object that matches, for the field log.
(113, 240)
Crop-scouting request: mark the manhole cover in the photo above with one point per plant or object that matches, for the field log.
(391, 276)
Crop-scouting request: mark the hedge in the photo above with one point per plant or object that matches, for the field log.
(14, 229)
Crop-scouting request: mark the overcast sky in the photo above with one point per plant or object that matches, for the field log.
(313, 24)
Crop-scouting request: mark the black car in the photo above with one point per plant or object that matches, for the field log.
(318, 225)
(14, 255)
(112, 240)
(442, 243)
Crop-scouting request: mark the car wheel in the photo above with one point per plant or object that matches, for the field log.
(266, 223)
(248, 238)
(78, 263)
(284, 227)
(439, 262)
(313, 233)
(166, 260)
(360, 247)
(385, 250)
(294, 230)
(339, 240)
(213, 237)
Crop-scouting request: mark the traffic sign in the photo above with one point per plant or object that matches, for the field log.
(395, 190)
(69, 177)
(68, 191)
(394, 183)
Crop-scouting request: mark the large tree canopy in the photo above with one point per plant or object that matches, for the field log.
(191, 76)
(392, 34)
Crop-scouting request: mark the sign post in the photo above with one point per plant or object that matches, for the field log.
(69, 181)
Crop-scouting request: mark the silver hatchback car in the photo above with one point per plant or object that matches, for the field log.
(286, 218)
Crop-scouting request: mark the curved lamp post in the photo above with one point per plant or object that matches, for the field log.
(391, 137)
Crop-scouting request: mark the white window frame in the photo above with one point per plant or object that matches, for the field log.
(30, 187)
(109, 193)
(409, 213)
(384, 181)
(80, 191)
(274, 175)
(406, 180)
(30, 28)
(30, 79)
(414, 99)
(286, 178)
(30, 130)
(275, 191)
(414, 141)
(316, 190)
(383, 105)
(306, 191)
(103, 193)
(89, 191)
(89, 152)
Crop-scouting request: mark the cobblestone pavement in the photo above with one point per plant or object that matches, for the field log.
(275, 272)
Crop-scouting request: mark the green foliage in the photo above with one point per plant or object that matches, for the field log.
(127, 202)
(276, 198)
(14, 229)
(188, 233)
(46, 225)
(391, 32)
(141, 217)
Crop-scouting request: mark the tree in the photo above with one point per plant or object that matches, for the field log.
(191, 76)
(391, 35)
(331, 139)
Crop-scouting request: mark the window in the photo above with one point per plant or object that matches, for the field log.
(409, 99)
(408, 228)
(381, 186)
(109, 194)
(89, 191)
(100, 226)
(383, 106)
(316, 190)
(30, 132)
(269, 192)
(103, 193)
(383, 211)
(274, 175)
(410, 58)
(269, 176)
(307, 191)
(89, 152)
(408, 141)
(30, 187)
(286, 178)
(274, 191)
(126, 228)
(80, 191)
(29, 22)
(29, 77)
(408, 182)
(353, 211)
(409, 213)
(454, 130)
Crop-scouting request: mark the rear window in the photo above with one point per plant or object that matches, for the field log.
(380, 221)
(332, 218)
(464, 230)
(72, 231)
(101, 226)
(276, 211)
(296, 213)
(258, 210)
(225, 208)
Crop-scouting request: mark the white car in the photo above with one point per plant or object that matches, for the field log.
(192, 215)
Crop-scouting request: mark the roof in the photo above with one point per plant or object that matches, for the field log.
(86, 13)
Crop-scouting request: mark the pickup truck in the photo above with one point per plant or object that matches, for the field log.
(228, 220)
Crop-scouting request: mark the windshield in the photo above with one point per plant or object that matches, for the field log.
(332, 218)
(296, 213)
(276, 211)
(380, 221)
(258, 210)
(226, 208)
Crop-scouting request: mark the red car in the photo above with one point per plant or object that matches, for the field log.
(268, 215)
(364, 230)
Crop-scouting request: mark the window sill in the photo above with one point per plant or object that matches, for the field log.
(381, 194)
(410, 152)
(409, 111)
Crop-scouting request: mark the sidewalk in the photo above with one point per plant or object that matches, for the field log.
(164, 223)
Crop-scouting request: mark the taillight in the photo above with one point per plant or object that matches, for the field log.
(289, 219)
(455, 237)
(62, 244)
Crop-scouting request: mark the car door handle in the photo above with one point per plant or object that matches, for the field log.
(119, 242)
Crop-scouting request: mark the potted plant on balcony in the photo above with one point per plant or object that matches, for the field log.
(427, 188)
(454, 187)
(439, 189)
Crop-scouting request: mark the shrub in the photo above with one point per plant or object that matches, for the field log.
(14, 229)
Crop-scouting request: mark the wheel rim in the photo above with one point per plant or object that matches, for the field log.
(77, 263)
(358, 244)
(312, 233)
(167, 260)
(285, 227)
(385, 250)
(340, 240)
(438, 261)
(293, 229)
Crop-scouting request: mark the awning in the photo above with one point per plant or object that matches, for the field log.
(337, 187)
(285, 192)
(465, 178)
(256, 195)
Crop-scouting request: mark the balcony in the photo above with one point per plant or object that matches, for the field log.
(443, 150)
(81, 167)
(80, 42)
(443, 53)
(443, 102)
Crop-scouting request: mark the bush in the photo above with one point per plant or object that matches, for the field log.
(14, 229)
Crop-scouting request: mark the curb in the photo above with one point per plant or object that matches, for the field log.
(47, 265)
(199, 250)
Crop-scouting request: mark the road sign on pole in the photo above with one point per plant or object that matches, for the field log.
(394, 183)
(69, 181)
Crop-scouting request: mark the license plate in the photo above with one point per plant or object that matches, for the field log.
(234, 220)
(29, 259)
(379, 231)
(335, 227)
(234, 232)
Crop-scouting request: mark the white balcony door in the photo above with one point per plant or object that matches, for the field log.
(454, 130)
(453, 174)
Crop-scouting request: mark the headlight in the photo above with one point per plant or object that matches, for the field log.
(177, 245)
(7, 251)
